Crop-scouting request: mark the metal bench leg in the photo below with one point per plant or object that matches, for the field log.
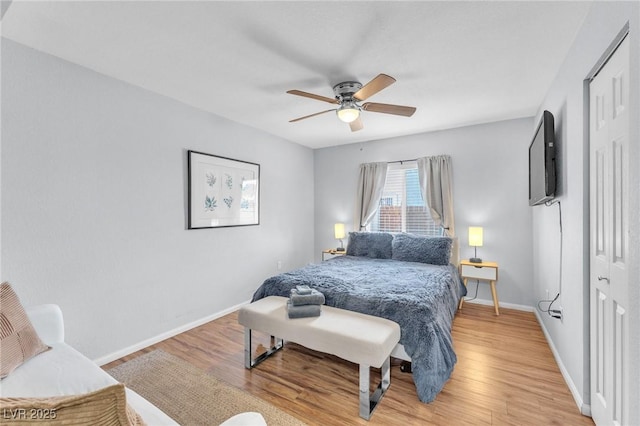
(368, 403)
(276, 345)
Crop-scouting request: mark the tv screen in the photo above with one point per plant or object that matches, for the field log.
(542, 162)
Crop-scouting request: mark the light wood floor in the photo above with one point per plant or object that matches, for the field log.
(505, 374)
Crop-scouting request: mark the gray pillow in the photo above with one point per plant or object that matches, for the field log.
(418, 248)
(376, 245)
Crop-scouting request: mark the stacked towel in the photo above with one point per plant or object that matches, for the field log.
(314, 297)
(303, 311)
(304, 302)
(302, 289)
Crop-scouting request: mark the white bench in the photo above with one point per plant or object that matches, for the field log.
(362, 339)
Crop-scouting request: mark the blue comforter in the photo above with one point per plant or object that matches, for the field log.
(421, 298)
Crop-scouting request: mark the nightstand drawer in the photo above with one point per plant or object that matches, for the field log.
(482, 272)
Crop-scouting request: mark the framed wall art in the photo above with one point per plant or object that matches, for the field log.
(222, 191)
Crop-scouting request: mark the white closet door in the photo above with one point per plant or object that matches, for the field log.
(609, 244)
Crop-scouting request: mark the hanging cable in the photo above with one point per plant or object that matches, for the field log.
(475, 296)
(555, 313)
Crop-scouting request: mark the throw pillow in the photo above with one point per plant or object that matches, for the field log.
(104, 407)
(376, 245)
(418, 248)
(18, 339)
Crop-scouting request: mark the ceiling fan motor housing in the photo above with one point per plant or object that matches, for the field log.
(346, 90)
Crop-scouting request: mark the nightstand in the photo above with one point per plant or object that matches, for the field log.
(333, 252)
(487, 271)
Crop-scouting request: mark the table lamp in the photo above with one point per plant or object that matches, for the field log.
(339, 233)
(475, 241)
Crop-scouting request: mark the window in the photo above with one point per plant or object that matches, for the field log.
(401, 206)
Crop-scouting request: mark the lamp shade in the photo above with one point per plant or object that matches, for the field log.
(339, 230)
(348, 114)
(475, 236)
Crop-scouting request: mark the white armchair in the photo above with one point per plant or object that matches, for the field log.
(48, 322)
(65, 371)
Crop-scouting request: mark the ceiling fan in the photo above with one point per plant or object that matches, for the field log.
(348, 96)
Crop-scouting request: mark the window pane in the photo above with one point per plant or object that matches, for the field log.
(389, 216)
(401, 206)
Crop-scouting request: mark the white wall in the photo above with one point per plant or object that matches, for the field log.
(94, 183)
(2, 11)
(490, 175)
(566, 101)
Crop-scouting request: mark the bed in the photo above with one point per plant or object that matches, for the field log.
(406, 278)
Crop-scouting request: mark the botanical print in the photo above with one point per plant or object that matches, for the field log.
(223, 192)
(221, 184)
(210, 204)
(211, 189)
(228, 201)
(248, 200)
(211, 179)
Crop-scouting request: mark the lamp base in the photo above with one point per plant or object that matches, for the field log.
(340, 249)
(475, 260)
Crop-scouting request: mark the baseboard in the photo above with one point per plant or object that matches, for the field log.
(585, 409)
(502, 305)
(153, 340)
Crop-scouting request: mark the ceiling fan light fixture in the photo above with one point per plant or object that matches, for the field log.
(348, 113)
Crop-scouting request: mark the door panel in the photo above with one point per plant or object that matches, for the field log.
(601, 180)
(600, 359)
(617, 204)
(619, 367)
(609, 229)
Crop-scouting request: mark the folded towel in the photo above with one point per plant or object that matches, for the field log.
(303, 289)
(313, 298)
(304, 311)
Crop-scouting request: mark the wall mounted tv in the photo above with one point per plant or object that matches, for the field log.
(542, 162)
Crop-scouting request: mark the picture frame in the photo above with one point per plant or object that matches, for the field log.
(222, 192)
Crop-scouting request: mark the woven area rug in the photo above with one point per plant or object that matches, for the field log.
(189, 395)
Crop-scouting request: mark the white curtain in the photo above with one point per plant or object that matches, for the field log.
(370, 187)
(436, 184)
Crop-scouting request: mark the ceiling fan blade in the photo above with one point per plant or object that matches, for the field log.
(356, 125)
(389, 109)
(312, 96)
(374, 86)
(309, 116)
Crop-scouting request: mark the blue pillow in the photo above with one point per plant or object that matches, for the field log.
(418, 248)
(376, 245)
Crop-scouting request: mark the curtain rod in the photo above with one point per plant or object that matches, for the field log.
(401, 161)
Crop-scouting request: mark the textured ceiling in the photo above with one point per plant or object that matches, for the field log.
(459, 63)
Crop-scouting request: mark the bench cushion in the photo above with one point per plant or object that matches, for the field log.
(356, 337)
